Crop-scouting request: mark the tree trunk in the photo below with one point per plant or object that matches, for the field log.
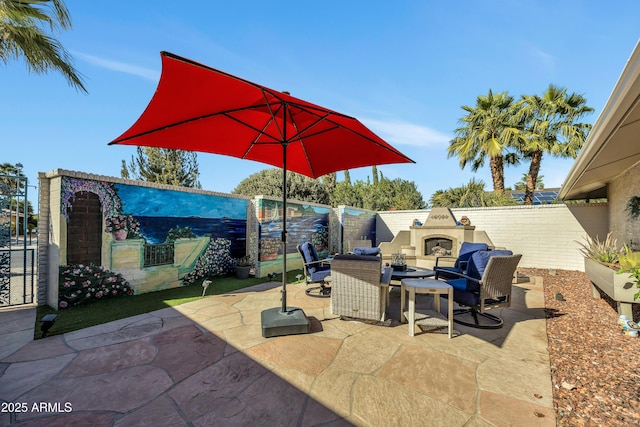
(497, 173)
(532, 178)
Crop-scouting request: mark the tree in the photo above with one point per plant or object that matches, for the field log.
(488, 130)
(164, 166)
(23, 33)
(396, 194)
(268, 182)
(329, 182)
(9, 185)
(379, 195)
(551, 126)
(346, 194)
(124, 172)
(472, 194)
(374, 173)
(347, 177)
(522, 184)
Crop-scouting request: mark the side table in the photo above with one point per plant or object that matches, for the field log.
(427, 286)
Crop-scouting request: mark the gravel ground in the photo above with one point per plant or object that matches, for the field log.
(595, 369)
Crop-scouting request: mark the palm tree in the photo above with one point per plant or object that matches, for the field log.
(550, 126)
(23, 26)
(522, 184)
(487, 131)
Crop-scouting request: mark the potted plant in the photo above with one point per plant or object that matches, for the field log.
(243, 267)
(601, 265)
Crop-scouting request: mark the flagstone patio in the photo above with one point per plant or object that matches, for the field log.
(206, 363)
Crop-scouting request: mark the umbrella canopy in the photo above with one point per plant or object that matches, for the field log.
(199, 108)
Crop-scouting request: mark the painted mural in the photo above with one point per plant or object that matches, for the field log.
(150, 238)
(168, 214)
(358, 225)
(304, 223)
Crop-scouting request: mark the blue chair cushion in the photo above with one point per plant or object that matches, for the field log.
(478, 263)
(310, 255)
(366, 251)
(461, 294)
(354, 257)
(466, 250)
(320, 274)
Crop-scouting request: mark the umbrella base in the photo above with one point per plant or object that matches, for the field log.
(275, 322)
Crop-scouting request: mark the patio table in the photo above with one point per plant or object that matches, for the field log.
(432, 317)
(409, 273)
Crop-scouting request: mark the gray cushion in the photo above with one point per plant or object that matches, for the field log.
(366, 251)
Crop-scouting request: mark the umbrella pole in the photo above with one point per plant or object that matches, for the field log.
(284, 227)
(284, 320)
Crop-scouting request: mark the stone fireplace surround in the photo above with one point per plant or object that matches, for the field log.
(440, 225)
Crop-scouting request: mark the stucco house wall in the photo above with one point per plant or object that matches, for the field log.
(625, 229)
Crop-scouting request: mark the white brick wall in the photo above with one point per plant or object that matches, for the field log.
(545, 235)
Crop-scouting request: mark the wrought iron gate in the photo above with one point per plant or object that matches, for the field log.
(17, 262)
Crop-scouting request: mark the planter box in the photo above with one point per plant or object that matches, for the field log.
(620, 287)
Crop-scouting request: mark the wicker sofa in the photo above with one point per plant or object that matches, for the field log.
(358, 289)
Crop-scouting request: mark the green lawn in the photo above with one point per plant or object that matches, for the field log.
(99, 312)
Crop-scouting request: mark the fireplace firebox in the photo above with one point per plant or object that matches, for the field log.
(438, 246)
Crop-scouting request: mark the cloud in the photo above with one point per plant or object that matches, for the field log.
(544, 60)
(405, 133)
(145, 73)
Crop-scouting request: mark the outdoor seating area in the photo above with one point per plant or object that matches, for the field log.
(480, 280)
(349, 373)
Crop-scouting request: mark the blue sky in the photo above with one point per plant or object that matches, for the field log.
(403, 68)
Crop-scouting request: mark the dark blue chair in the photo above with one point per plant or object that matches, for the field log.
(315, 271)
(466, 250)
(485, 285)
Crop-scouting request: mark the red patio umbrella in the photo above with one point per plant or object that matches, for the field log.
(199, 108)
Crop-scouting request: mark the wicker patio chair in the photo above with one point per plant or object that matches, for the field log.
(358, 289)
(485, 285)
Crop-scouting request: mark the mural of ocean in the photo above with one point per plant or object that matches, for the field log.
(299, 230)
(155, 229)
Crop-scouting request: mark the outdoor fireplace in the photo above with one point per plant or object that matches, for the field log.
(440, 235)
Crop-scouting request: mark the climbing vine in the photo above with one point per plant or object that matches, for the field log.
(633, 207)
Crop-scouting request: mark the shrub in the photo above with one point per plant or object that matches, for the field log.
(80, 284)
(605, 252)
(630, 263)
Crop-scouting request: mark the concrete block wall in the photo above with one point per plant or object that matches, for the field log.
(547, 236)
